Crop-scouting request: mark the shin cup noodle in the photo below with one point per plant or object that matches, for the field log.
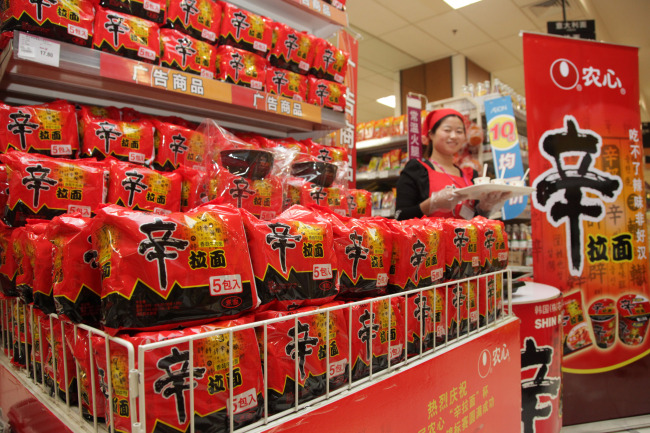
(200, 19)
(378, 329)
(633, 316)
(575, 327)
(602, 313)
(303, 341)
(49, 129)
(168, 402)
(126, 35)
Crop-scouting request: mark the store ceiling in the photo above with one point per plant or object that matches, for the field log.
(399, 34)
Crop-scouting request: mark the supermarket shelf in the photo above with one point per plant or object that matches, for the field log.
(93, 77)
(381, 175)
(386, 213)
(379, 144)
(314, 16)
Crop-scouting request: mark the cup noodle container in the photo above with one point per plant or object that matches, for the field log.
(633, 315)
(602, 313)
(539, 307)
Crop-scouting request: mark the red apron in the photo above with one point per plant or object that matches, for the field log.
(439, 180)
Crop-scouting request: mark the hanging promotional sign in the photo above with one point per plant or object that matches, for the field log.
(414, 126)
(350, 45)
(504, 140)
(588, 215)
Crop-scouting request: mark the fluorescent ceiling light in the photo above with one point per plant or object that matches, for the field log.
(457, 4)
(388, 101)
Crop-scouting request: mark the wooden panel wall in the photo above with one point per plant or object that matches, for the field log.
(475, 74)
(432, 79)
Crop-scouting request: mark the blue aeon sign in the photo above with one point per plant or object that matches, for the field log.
(502, 131)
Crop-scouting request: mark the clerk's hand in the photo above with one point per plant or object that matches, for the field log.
(492, 201)
(445, 199)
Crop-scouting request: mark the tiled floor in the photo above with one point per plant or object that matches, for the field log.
(638, 424)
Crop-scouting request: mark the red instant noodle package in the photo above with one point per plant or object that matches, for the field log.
(200, 19)
(493, 255)
(303, 341)
(330, 63)
(85, 112)
(359, 202)
(380, 333)
(293, 261)
(126, 141)
(66, 376)
(152, 10)
(332, 197)
(8, 267)
(41, 252)
(194, 188)
(126, 35)
(575, 325)
(69, 21)
(426, 320)
(91, 403)
(142, 188)
(363, 251)
(461, 249)
(286, 83)
(4, 187)
(44, 187)
(241, 67)
(162, 270)
(245, 30)
(22, 337)
(416, 256)
(168, 400)
(244, 179)
(292, 50)
(77, 281)
(23, 249)
(324, 153)
(326, 94)
(49, 129)
(185, 53)
(177, 146)
(41, 343)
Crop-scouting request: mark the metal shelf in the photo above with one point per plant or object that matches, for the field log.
(92, 77)
(380, 144)
(381, 175)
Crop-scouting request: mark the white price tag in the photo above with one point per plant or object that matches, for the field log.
(338, 78)
(160, 211)
(257, 85)
(303, 65)
(39, 50)
(382, 280)
(436, 274)
(267, 215)
(395, 351)
(225, 285)
(475, 261)
(60, 149)
(322, 272)
(503, 256)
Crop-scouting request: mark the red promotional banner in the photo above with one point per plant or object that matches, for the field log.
(588, 213)
(473, 387)
(350, 45)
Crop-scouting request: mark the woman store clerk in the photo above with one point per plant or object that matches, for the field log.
(424, 186)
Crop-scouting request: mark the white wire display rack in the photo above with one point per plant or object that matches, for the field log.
(17, 317)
